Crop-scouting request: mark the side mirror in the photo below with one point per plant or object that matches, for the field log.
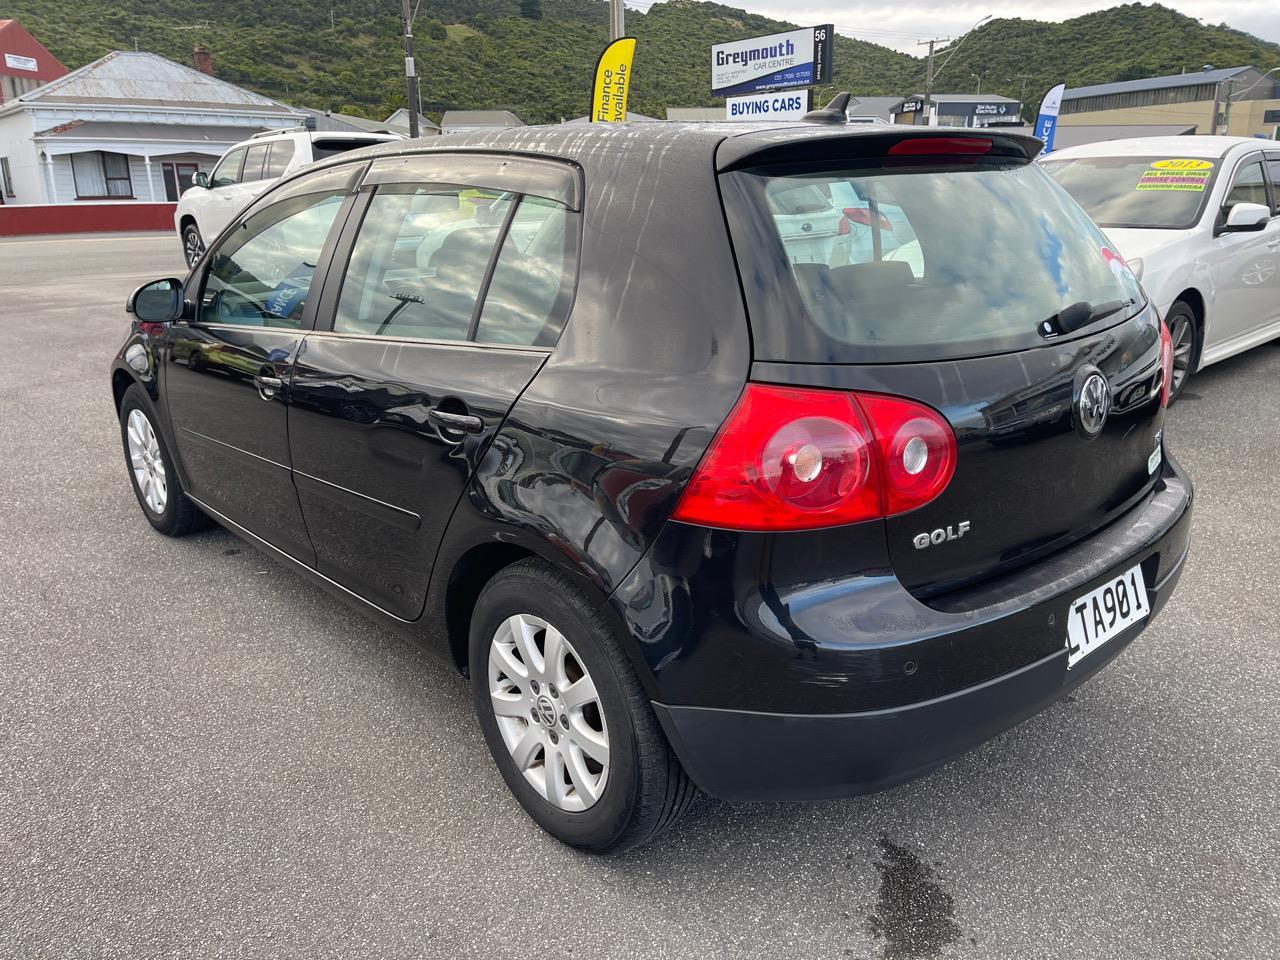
(157, 302)
(1245, 217)
(200, 179)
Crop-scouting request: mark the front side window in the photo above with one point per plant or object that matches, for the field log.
(261, 274)
(1154, 192)
(100, 175)
(1250, 186)
(886, 261)
(228, 170)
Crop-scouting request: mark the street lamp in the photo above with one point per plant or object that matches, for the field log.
(978, 77)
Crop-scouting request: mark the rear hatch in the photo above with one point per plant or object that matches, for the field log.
(977, 288)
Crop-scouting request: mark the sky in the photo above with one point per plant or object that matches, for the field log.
(901, 23)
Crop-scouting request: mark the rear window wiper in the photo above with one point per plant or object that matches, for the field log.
(1080, 314)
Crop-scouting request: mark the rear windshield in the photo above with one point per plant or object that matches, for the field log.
(1160, 193)
(332, 146)
(891, 261)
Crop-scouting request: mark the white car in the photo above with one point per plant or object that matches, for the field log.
(247, 170)
(1198, 220)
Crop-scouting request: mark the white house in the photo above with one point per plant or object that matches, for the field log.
(129, 126)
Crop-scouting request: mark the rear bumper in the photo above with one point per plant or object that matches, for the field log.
(774, 755)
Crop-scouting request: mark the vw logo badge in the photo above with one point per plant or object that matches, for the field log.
(546, 710)
(1093, 404)
(806, 228)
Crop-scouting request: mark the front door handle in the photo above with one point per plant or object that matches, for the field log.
(456, 421)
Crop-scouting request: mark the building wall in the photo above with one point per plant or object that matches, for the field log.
(15, 143)
(64, 178)
(1246, 116)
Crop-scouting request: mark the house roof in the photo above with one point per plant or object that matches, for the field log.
(399, 121)
(15, 39)
(153, 132)
(873, 106)
(1154, 83)
(147, 79)
(963, 98)
(480, 118)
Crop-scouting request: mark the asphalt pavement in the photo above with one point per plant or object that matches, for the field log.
(203, 756)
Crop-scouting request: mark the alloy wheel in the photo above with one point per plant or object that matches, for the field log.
(146, 462)
(192, 246)
(548, 712)
(1183, 342)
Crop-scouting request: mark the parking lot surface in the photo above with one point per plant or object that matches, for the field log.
(201, 755)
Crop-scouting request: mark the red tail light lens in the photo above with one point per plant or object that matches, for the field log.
(861, 215)
(1166, 364)
(917, 450)
(794, 459)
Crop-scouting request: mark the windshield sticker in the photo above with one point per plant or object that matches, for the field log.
(1182, 174)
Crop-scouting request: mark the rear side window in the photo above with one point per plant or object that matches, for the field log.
(426, 264)
(278, 159)
(919, 260)
(254, 161)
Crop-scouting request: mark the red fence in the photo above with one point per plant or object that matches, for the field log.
(28, 219)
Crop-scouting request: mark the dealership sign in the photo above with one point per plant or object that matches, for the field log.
(768, 106)
(797, 58)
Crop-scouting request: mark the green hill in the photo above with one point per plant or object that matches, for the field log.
(345, 54)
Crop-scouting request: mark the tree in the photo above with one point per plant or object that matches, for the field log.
(531, 9)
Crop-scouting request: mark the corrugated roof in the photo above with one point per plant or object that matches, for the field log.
(1154, 83)
(873, 106)
(145, 78)
(486, 118)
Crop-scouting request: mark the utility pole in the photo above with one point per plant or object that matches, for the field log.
(928, 73)
(1022, 97)
(617, 20)
(1226, 108)
(978, 77)
(410, 75)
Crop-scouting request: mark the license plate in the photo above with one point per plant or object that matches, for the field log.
(1105, 612)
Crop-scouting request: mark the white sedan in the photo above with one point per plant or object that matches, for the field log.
(1198, 220)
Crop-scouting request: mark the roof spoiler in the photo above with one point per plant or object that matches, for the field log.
(837, 111)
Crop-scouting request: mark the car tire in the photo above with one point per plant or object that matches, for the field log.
(151, 471)
(192, 244)
(1184, 330)
(642, 789)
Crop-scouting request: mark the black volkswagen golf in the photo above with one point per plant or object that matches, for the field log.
(775, 462)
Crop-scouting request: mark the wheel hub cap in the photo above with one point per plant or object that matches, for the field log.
(146, 462)
(548, 712)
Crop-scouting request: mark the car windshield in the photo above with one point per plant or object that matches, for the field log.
(1155, 192)
(885, 261)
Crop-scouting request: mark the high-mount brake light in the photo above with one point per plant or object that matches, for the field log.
(1166, 363)
(793, 458)
(939, 146)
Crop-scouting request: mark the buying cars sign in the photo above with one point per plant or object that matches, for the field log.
(797, 58)
(768, 106)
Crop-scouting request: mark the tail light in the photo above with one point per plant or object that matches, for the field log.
(791, 458)
(933, 146)
(1166, 364)
(861, 215)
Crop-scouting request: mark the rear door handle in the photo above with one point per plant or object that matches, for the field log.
(456, 421)
(267, 385)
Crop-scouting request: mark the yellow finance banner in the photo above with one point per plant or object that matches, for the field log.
(613, 82)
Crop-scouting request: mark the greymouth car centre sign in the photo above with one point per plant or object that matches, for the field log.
(797, 58)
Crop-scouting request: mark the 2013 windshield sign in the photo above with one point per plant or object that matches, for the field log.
(798, 58)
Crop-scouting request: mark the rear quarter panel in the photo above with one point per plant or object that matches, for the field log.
(592, 458)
